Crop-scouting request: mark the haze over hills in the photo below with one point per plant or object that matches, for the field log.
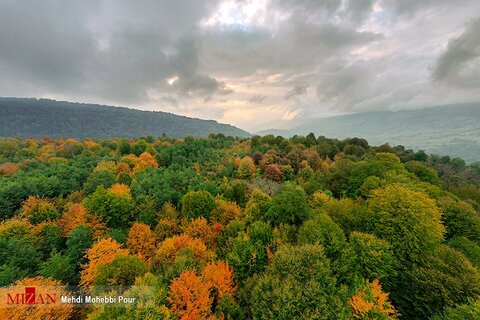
(450, 129)
(30, 117)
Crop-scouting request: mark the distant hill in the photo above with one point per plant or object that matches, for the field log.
(21, 117)
(450, 129)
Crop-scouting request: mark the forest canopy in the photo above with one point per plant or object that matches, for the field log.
(242, 228)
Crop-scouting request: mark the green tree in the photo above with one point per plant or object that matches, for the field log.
(289, 206)
(122, 271)
(116, 211)
(407, 219)
(366, 257)
(322, 230)
(196, 204)
(297, 285)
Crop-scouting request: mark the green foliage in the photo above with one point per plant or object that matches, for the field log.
(289, 206)
(121, 272)
(196, 204)
(79, 239)
(446, 279)
(409, 220)
(98, 178)
(60, 267)
(366, 257)
(297, 285)
(246, 257)
(67, 119)
(470, 249)
(460, 219)
(322, 230)
(423, 172)
(310, 235)
(116, 211)
(470, 311)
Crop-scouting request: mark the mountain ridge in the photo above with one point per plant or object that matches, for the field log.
(32, 117)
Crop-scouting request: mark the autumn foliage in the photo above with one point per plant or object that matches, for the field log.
(53, 310)
(189, 297)
(75, 215)
(37, 209)
(165, 254)
(8, 168)
(372, 303)
(101, 253)
(141, 241)
(219, 276)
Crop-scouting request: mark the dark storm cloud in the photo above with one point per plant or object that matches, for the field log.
(460, 63)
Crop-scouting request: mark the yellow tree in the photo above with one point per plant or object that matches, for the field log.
(246, 168)
(372, 303)
(141, 241)
(121, 190)
(101, 253)
(47, 300)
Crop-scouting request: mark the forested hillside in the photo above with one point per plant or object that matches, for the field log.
(448, 130)
(38, 118)
(240, 228)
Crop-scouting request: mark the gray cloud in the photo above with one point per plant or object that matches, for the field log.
(192, 58)
(460, 64)
(297, 91)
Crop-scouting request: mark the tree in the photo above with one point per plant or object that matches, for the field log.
(170, 247)
(408, 219)
(120, 272)
(225, 211)
(366, 257)
(60, 267)
(372, 303)
(101, 253)
(297, 285)
(75, 215)
(99, 178)
(219, 276)
(322, 230)
(273, 172)
(46, 288)
(121, 190)
(79, 240)
(196, 204)
(8, 168)
(289, 206)
(257, 206)
(470, 311)
(141, 241)
(116, 211)
(189, 297)
(246, 168)
(460, 219)
(199, 228)
(36, 210)
(445, 280)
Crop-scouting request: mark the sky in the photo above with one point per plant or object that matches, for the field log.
(254, 64)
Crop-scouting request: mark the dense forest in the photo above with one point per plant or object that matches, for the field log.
(240, 228)
(22, 117)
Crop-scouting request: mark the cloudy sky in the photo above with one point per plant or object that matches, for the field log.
(255, 64)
